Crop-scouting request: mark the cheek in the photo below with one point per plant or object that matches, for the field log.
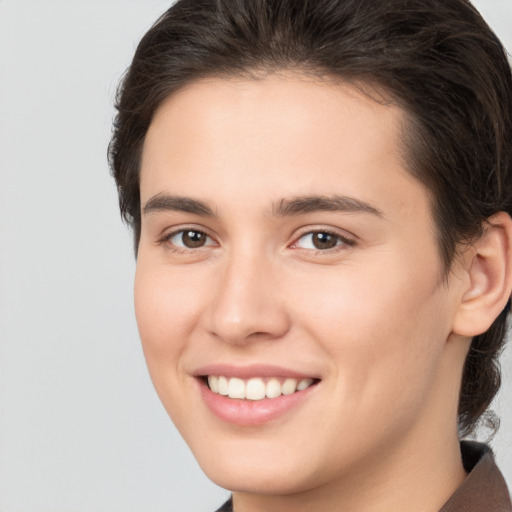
(166, 308)
(167, 311)
(384, 332)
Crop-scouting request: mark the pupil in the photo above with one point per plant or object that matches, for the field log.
(324, 240)
(193, 239)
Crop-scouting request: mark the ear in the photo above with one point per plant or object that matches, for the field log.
(488, 267)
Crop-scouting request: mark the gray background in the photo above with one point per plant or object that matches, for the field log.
(81, 428)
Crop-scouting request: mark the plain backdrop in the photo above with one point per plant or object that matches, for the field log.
(81, 429)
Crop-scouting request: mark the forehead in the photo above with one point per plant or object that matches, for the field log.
(275, 137)
(288, 103)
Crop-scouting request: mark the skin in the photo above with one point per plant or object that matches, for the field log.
(372, 318)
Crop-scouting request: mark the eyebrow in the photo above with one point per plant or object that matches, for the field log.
(165, 202)
(333, 203)
(283, 208)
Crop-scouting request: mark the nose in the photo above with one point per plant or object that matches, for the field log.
(247, 303)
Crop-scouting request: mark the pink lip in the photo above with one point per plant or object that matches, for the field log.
(250, 412)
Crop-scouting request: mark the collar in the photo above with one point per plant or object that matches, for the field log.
(484, 489)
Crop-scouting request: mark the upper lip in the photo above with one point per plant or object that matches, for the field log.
(250, 371)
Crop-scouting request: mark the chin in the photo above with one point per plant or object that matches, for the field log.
(259, 464)
(272, 479)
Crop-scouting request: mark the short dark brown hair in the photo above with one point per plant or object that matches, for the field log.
(437, 59)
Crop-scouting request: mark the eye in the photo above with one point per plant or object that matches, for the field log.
(189, 239)
(321, 241)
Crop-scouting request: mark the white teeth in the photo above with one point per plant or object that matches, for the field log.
(256, 388)
(273, 388)
(304, 384)
(289, 386)
(236, 388)
(213, 382)
(223, 386)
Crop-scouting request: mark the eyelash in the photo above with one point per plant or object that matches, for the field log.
(342, 242)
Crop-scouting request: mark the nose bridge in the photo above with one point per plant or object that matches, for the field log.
(246, 304)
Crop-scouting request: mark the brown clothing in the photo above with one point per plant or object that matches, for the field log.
(483, 490)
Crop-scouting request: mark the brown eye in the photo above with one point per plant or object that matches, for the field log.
(324, 240)
(321, 241)
(193, 239)
(190, 239)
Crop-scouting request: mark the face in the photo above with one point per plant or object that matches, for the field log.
(289, 258)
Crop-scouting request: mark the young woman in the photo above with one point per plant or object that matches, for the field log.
(320, 193)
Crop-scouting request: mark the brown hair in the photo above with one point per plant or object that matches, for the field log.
(437, 59)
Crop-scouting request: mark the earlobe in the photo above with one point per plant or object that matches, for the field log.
(489, 269)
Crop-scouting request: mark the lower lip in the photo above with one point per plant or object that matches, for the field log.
(249, 413)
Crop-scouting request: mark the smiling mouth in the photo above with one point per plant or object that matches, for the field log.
(256, 388)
